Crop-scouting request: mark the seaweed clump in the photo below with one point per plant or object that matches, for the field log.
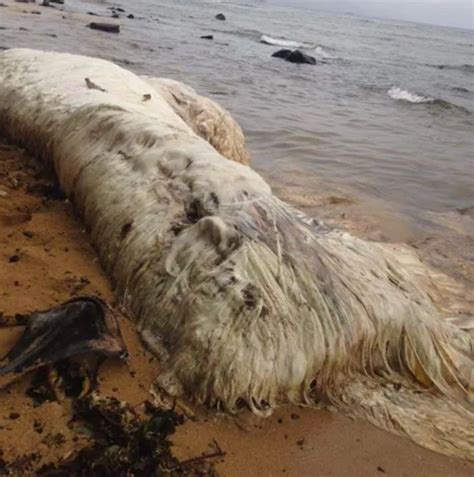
(123, 443)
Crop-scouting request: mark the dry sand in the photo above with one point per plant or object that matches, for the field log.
(55, 261)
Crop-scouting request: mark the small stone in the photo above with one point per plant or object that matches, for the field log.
(107, 27)
(294, 416)
(28, 233)
(14, 258)
(131, 16)
(3, 193)
(38, 426)
(14, 415)
(220, 16)
(207, 37)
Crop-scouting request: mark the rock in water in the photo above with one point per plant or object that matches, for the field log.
(207, 37)
(107, 27)
(295, 56)
(282, 54)
(220, 16)
(245, 300)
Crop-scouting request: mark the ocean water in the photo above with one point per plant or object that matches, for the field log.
(387, 113)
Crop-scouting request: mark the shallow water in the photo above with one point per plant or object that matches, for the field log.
(386, 115)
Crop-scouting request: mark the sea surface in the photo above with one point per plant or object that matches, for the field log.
(387, 113)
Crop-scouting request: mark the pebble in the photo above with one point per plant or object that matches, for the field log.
(3, 193)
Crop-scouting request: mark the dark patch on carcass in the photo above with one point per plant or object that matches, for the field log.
(126, 228)
(250, 295)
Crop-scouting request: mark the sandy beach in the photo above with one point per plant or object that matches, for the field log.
(46, 258)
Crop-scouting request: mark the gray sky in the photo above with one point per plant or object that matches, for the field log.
(457, 13)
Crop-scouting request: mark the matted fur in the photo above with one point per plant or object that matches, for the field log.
(244, 300)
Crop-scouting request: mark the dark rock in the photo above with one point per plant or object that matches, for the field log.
(131, 16)
(118, 9)
(207, 37)
(14, 415)
(107, 27)
(115, 15)
(220, 16)
(295, 56)
(61, 2)
(282, 54)
(35, 12)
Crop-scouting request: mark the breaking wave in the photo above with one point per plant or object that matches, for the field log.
(400, 94)
(268, 40)
(322, 53)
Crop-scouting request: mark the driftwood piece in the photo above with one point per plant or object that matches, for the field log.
(77, 327)
(245, 299)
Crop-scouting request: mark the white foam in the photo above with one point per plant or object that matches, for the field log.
(280, 42)
(322, 53)
(400, 94)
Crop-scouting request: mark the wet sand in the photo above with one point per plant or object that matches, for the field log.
(53, 262)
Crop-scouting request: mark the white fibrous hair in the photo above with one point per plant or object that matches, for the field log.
(245, 301)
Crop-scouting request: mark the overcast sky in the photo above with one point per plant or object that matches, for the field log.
(457, 13)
